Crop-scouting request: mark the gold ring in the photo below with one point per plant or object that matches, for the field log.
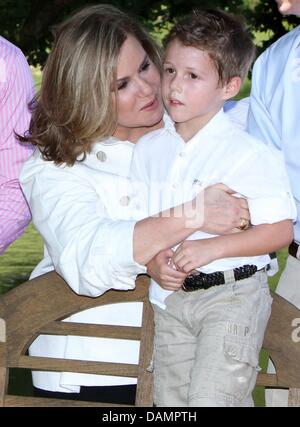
(244, 224)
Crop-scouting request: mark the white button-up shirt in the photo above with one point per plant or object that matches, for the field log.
(86, 216)
(175, 171)
(274, 105)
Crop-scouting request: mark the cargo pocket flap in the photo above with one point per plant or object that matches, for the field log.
(241, 351)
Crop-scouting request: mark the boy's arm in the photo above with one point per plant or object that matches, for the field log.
(258, 240)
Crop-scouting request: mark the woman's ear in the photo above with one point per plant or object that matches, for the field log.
(232, 88)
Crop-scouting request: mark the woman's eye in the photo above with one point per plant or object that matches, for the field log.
(122, 85)
(193, 76)
(145, 66)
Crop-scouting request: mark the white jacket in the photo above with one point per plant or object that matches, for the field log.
(86, 215)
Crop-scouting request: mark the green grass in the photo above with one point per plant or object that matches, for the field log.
(245, 89)
(37, 76)
(19, 260)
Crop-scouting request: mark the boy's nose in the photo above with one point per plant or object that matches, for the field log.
(175, 84)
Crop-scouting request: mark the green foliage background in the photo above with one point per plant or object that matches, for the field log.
(28, 23)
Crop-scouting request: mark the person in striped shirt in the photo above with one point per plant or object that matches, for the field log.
(16, 90)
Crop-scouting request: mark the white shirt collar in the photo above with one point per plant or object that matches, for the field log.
(217, 122)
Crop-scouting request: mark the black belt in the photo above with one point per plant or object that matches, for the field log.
(293, 250)
(199, 280)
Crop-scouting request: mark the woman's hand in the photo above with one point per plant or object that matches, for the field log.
(223, 212)
(163, 271)
(192, 254)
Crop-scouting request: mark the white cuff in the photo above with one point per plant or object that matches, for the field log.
(272, 209)
(121, 249)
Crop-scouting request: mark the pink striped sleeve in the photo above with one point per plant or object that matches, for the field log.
(16, 90)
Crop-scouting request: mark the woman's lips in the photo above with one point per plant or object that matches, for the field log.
(151, 105)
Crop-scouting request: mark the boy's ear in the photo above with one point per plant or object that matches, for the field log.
(232, 88)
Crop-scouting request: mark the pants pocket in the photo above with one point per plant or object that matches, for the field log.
(240, 368)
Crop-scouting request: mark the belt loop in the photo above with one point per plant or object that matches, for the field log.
(229, 277)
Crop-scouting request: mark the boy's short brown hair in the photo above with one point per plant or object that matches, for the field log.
(222, 35)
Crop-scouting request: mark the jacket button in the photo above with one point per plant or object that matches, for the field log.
(124, 201)
(101, 156)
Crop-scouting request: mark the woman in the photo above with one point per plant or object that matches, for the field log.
(100, 93)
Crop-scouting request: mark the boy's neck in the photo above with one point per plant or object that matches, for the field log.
(189, 128)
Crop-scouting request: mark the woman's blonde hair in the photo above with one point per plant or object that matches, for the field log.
(75, 106)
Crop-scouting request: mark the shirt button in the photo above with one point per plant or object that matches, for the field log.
(124, 201)
(101, 156)
(182, 154)
(175, 185)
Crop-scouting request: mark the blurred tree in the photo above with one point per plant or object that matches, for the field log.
(28, 23)
(264, 17)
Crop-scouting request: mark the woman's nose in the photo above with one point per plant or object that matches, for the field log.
(145, 87)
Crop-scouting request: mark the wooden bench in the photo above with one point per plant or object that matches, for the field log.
(282, 342)
(38, 306)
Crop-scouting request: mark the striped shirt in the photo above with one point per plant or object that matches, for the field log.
(16, 90)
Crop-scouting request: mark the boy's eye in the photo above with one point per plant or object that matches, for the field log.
(193, 76)
(169, 70)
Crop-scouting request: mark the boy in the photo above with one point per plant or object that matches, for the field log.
(208, 341)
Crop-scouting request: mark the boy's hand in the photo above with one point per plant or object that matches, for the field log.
(163, 271)
(191, 254)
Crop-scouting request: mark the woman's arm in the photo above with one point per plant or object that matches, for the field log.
(212, 210)
(91, 249)
(88, 245)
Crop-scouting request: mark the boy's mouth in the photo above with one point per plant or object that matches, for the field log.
(173, 101)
